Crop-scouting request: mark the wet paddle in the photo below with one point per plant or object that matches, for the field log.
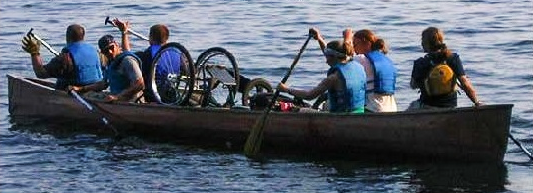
(254, 140)
(108, 21)
(521, 146)
(72, 92)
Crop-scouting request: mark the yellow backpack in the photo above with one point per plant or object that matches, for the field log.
(440, 80)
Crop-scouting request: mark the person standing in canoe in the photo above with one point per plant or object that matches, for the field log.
(77, 65)
(345, 82)
(370, 51)
(438, 73)
(169, 63)
(123, 72)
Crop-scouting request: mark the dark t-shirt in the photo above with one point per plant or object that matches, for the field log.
(421, 69)
(61, 67)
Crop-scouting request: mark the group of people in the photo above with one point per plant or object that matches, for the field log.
(361, 78)
(81, 67)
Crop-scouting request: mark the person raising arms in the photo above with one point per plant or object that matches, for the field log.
(438, 89)
(345, 82)
(169, 63)
(78, 64)
(365, 47)
(123, 72)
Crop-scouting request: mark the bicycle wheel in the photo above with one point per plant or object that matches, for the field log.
(172, 75)
(217, 77)
(256, 85)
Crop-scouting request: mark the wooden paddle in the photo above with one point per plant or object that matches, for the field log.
(129, 30)
(253, 142)
(72, 92)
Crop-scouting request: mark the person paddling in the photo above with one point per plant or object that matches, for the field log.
(370, 51)
(345, 82)
(437, 73)
(78, 64)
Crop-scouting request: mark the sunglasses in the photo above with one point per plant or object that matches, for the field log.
(110, 46)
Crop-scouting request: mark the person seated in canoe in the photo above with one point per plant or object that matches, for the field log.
(438, 74)
(345, 82)
(381, 74)
(158, 37)
(123, 71)
(77, 65)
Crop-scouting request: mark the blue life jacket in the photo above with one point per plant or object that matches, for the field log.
(352, 97)
(384, 72)
(88, 69)
(118, 81)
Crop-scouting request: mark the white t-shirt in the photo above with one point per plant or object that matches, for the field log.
(375, 102)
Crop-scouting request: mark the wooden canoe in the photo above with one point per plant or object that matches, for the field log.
(464, 134)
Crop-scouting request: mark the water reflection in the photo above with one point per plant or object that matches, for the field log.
(432, 177)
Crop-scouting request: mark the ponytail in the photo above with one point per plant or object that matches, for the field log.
(379, 44)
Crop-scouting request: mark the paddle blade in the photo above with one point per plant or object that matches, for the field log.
(254, 140)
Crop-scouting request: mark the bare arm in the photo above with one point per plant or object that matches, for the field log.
(38, 67)
(32, 47)
(135, 87)
(348, 41)
(321, 88)
(469, 89)
(123, 27)
(317, 36)
(97, 86)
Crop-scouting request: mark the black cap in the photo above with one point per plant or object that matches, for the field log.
(105, 41)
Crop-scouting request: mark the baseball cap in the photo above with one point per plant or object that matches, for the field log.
(105, 41)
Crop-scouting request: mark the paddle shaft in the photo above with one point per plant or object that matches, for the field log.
(92, 109)
(46, 45)
(521, 147)
(254, 140)
(128, 30)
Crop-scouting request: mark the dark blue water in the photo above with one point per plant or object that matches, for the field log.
(493, 37)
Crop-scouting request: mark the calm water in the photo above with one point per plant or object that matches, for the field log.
(493, 37)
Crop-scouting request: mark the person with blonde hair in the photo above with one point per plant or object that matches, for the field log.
(438, 53)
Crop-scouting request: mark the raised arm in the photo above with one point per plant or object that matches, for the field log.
(123, 27)
(32, 46)
(317, 36)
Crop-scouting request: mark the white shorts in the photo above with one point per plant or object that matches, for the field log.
(380, 103)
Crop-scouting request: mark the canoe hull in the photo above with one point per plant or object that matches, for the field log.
(463, 134)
